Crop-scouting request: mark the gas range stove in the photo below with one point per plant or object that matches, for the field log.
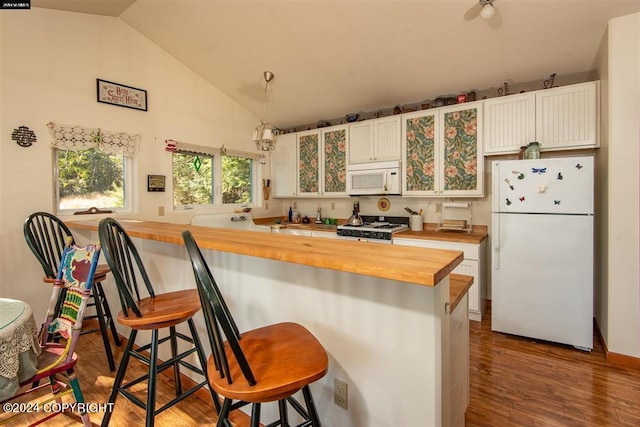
(374, 228)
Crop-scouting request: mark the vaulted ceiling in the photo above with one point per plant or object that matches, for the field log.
(333, 57)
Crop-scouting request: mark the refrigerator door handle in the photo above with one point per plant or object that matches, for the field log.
(495, 241)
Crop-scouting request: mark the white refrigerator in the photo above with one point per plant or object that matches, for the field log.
(542, 249)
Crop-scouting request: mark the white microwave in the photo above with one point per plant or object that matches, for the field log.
(373, 178)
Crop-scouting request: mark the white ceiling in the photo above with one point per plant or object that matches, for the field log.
(333, 57)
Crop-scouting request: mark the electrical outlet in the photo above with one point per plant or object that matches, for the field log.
(160, 210)
(333, 206)
(340, 393)
(295, 205)
(266, 205)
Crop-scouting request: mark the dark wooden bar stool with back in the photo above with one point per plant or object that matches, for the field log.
(46, 236)
(268, 364)
(151, 313)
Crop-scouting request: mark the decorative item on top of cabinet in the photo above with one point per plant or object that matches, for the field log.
(548, 84)
(504, 90)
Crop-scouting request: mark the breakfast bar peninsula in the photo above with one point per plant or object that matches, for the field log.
(382, 312)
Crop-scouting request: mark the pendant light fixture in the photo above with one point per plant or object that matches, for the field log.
(265, 134)
(487, 9)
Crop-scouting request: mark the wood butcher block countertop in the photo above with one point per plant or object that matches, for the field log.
(476, 236)
(403, 263)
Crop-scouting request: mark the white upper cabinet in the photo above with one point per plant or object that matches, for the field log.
(509, 123)
(566, 117)
(377, 140)
(559, 119)
(284, 167)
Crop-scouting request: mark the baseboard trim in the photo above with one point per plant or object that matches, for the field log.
(617, 359)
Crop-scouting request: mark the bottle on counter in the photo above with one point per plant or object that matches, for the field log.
(290, 214)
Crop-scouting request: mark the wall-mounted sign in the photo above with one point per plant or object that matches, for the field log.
(155, 182)
(122, 95)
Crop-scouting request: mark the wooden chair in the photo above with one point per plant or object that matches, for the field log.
(46, 235)
(267, 364)
(153, 313)
(75, 275)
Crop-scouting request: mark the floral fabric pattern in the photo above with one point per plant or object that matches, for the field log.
(335, 164)
(308, 168)
(420, 155)
(461, 150)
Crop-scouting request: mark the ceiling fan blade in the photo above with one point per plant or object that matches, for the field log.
(473, 12)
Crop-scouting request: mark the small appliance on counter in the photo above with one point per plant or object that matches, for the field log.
(354, 219)
(379, 229)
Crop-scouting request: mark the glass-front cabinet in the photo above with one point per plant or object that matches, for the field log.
(442, 151)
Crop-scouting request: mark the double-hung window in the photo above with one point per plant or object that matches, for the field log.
(92, 168)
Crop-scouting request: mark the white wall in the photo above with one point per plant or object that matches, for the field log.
(50, 62)
(618, 310)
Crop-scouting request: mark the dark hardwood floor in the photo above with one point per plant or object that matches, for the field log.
(514, 381)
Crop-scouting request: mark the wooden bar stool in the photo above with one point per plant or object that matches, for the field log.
(46, 236)
(152, 313)
(267, 364)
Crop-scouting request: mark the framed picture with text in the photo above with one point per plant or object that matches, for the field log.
(121, 95)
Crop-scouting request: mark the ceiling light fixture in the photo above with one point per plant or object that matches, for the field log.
(487, 9)
(265, 134)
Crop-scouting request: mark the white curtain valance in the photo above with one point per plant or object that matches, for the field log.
(76, 138)
(177, 146)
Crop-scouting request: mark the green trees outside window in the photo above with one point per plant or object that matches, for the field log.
(190, 186)
(90, 178)
(194, 186)
(236, 179)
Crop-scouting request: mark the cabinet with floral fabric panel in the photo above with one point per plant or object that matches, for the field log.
(334, 160)
(322, 161)
(308, 163)
(442, 152)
